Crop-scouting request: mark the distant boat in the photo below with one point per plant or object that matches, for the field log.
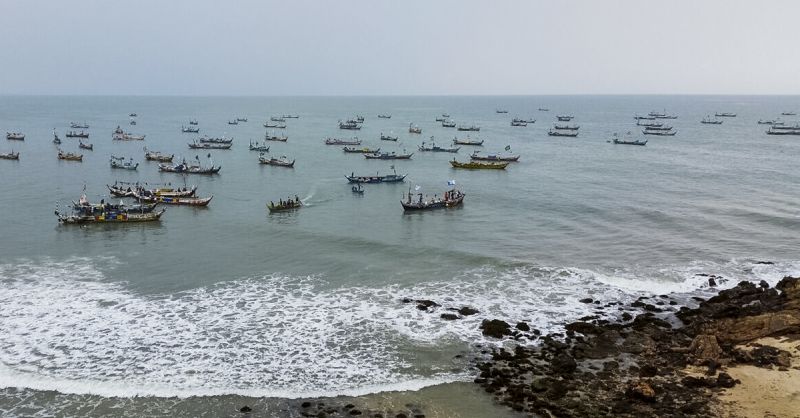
(285, 205)
(382, 116)
(448, 124)
(186, 168)
(501, 111)
(389, 178)
(556, 132)
(449, 199)
(68, 156)
(413, 129)
(658, 128)
(615, 139)
(209, 145)
(133, 122)
(388, 156)
(774, 131)
(276, 125)
(56, 139)
(216, 140)
(283, 161)
(440, 119)
(277, 119)
(365, 150)
(544, 109)
(567, 127)
(349, 125)
(470, 128)
(190, 129)
(770, 122)
(519, 123)
(119, 162)
(467, 141)
(81, 134)
(637, 117)
(794, 127)
(81, 145)
(476, 165)
(564, 118)
(16, 136)
(273, 137)
(255, 146)
(788, 113)
(660, 133)
(157, 156)
(74, 125)
(241, 119)
(708, 121)
(435, 148)
(193, 122)
(725, 115)
(290, 116)
(9, 156)
(388, 137)
(133, 115)
(640, 123)
(445, 115)
(337, 141)
(476, 156)
(661, 115)
(233, 122)
(127, 137)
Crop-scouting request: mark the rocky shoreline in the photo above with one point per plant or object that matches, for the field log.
(664, 361)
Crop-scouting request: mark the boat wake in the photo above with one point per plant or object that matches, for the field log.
(64, 326)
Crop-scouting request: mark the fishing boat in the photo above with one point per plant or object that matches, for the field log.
(157, 156)
(169, 200)
(349, 125)
(9, 156)
(770, 122)
(477, 165)
(119, 162)
(284, 205)
(84, 207)
(127, 137)
(233, 122)
(566, 127)
(388, 156)
(640, 123)
(81, 145)
(388, 137)
(519, 123)
(215, 140)
(133, 122)
(501, 111)
(357, 188)
(359, 119)
(15, 136)
(133, 115)
(56, 139)
(276, 125)
(708, 121)
(476, 156)
(110, 217)
(615, 139)
(662, 115)
(185, 168)
(273, 137)
(190, 129)
(445, 115)
(81, 134)
(364, 150)
(121, 191)
(564, 118)
(468, 141)
(435, 148)
(382, 116)
(773, 131)
(448, 124)
(377, 178)
(68, 156)
(337, 141)
(209, 145)
(794, 127)
(241, 119)
(449, 199)
(556, 132)
(255, 146)
(529, 121)
(283, 161)
(725, 115)
(277, 119)
(788, 113)
(413, 129)
(637, 117)
(440, 119)
(658, 128)
(469, 128)
(118, 131)
(290, 116)
(544, 109)
(660, 133)
(193, 122)
(74, 125)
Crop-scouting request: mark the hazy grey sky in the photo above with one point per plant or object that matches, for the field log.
(367, 47)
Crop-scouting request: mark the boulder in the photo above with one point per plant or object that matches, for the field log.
(640, 390)
(495, 328)
(467, 311)
(563, 363)
(703, 348)
(449, 316)
(523, 326)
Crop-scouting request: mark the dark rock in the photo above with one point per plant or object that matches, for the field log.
(767, 356)
(648, 370)
(652, 308)
(449, 316)
(763, 284)
(641, 390)
(522, 326)
(495, 328)
(467, 311)
(407, 300)
(712, 282)
(355, 412)
(765, 262)
(424, 304)
(305, 404)
(563, 363)
(698, 382)
(626, 316)
(349, 406)
(724, 380)
(401, 415)
(245, 409)
(586, 300)
(582, 327)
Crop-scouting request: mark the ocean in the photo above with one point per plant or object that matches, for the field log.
(232, 301)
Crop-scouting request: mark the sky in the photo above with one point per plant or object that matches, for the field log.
(410, 47)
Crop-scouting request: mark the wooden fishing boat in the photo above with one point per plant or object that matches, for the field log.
(85, 208)
(501, 111)
(277, 119)
(661, 115)
(168, 200)
(467, 141)
(556, 132)
(628, 140)
(157, 156)
(272, 137)
(74, 125)
(476, 156)
(445, 115)
(388, 137)
(290, 116)
(435, 148)
(475, 165)
(68, 156)
(359, 119)
(241, 119)
(637, 117)
(233, 122)
(81, 145)
(469, 128)
(133, 122)
(449, 199)
(382, 116)
(365, 150)
(133, 115)
(529, 121)
(708, 121)
(788, 113)
(794, 127)
(110, 217)
(283, 161)
(519, 123)
(184, 168)
(127, 137)
(15, 136)
(377, 178)
(190, 129)
(119, 162)
(658, 128)
(773, 131)
(388, 156)
(349, 125)
(255, 146)
(566, 127)
(9, 156)
(660, 133)
(448, 124)
(413, 129)
(440, 119)
(193, 122)
(725, 115)
(120, 191)
(209, 145)
(81, 134)
(640, 123)
(770, 122)
(284, 205)
(544, 109)
(276, 125)
(564, 118)
(337, 141)
(215, 140)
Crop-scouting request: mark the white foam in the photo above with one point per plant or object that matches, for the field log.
(65, 327)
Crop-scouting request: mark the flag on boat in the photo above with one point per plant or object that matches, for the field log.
(451, 182)
(508, 147)
(416, 188)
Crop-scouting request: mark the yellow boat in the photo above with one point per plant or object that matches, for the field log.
(479, 165)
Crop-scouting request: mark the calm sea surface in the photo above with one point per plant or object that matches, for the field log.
(231, 300)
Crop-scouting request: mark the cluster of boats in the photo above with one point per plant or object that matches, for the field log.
(564, 129)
